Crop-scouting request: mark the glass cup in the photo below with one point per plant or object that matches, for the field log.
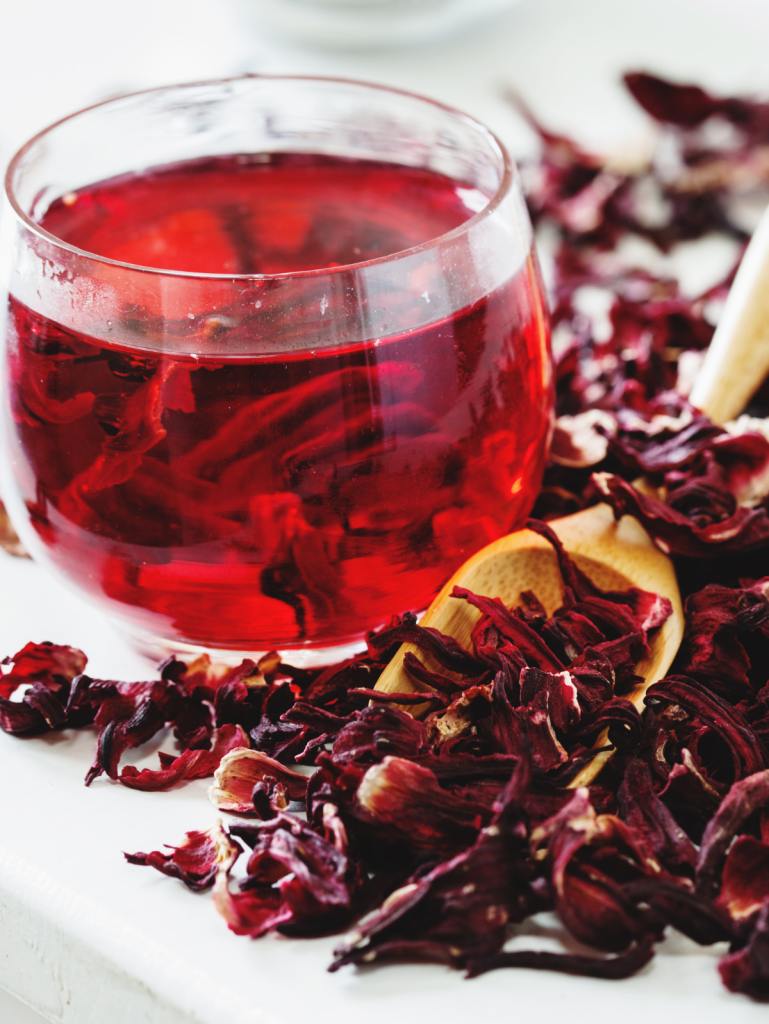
(240, 462)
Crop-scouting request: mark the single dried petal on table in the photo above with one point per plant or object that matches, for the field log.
(197, 861)
(687, 105)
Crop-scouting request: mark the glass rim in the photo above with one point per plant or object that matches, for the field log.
(505, 184)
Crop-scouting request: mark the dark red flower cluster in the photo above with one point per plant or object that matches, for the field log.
(434, 837)
(642, 334)
(438, 836)
(625, 365)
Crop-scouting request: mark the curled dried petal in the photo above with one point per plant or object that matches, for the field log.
(622, 965)
(745, 878)
(747, 969)
(191, 764)
(238, 773)
(742, 801)
(197, 861)
(406, 801)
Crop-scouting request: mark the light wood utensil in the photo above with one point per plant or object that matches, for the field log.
(738, 358)
(615, 555)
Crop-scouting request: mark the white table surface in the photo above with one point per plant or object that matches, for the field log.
(87, 939)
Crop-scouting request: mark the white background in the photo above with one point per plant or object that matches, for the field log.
(564, 56)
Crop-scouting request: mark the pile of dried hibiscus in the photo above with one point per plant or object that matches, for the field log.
(432, 839)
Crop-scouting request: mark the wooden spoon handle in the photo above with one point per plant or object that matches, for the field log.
(738, 358)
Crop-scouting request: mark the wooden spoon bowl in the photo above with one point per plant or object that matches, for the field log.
(615, 555)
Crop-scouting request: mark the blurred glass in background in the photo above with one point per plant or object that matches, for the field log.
(367, 23)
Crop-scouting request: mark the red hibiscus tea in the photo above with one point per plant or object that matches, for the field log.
(290, 464)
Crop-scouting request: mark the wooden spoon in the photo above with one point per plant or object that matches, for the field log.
(737, 360)
(615, 555)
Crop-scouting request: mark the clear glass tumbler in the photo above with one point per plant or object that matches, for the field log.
(242, 461)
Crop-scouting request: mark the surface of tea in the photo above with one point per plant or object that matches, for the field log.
(262, 213)
(284, 499)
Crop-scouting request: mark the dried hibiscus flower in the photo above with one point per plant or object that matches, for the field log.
(199, 859)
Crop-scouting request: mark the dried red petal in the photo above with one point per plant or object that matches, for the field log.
(405, 801)
(459, 910)
(747, 969)
(445, 649)
(745, 878)
(589, 901)
(250, 913)
(625, 611)
(562, 695)
(241, 770)
(717, 619)
(377, 732)
(197, 861)
(689, 912)
(742, 800)
(648, 816)
(298, 882)
(52, 665)
(9, 540)
(23, 718)
(747, 753)
(744, 530)
(191, 764)
(623, 965)
(128, 715)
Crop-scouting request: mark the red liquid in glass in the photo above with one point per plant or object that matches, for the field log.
(285, 499)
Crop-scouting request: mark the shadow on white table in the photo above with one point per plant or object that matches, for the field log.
(14, 1012)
